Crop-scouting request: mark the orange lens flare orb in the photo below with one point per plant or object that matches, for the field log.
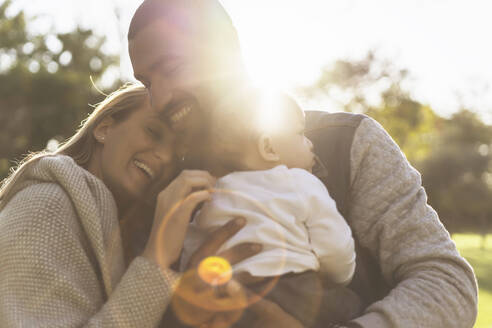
(215, 270)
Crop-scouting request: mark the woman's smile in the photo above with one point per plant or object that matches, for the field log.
(135, 152)
(147, 171)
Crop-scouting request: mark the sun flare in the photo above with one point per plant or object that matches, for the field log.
(215, 270)
(278, 51)
(269, 120)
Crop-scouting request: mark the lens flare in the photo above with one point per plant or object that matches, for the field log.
(271, 113)
(202, 292)
(215, 270)
(196, 302)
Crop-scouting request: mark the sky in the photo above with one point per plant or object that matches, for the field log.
(444, 44)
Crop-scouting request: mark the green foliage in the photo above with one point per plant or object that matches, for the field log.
(411, 124)
(374, 87)
(453, 155)
(479, 254)
(457, 174)
(45, 84)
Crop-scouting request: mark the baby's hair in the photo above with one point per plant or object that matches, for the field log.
(238, 123)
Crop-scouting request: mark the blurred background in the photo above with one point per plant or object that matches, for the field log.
(421, 68)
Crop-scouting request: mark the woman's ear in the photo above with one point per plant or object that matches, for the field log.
(266, 149)
(101, 130)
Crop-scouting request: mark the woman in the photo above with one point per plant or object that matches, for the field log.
(62, 261)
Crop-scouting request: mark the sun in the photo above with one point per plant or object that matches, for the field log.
(277, 64)
(278, 53)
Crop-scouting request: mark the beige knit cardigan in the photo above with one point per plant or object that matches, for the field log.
(61, 255)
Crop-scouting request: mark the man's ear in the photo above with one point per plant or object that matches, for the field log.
(100, 132)
(266, 149)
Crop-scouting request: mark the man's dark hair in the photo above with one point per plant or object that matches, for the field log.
(206, 27)
(191, 15)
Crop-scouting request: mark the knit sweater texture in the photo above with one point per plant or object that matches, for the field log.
(61, 258)
(61, 263)
(432, 286)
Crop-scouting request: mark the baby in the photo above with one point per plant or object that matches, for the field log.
(258, 147)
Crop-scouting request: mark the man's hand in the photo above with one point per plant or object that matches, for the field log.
(217, 238)
(270, 315)
(199, 303)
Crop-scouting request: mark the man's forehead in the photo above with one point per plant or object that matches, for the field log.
(157, 41)
(199, 23)
(185, 14)
(177, 12)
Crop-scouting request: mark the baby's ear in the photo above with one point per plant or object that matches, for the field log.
(266, 149)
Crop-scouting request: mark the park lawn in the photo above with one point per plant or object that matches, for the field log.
(481, 261)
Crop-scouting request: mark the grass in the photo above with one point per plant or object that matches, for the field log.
(470, 247)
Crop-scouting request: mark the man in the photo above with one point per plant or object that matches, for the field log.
(187, 55)
(409, 272)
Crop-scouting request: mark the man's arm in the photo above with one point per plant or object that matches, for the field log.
(432, 285)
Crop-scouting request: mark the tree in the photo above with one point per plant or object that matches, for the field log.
(457, 174)
(45, 84)
(373, 86)
(454, 155)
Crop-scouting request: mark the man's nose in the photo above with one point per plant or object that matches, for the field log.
(310, 143)
(160, 95)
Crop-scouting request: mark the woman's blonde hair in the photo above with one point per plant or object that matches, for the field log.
(80, 146)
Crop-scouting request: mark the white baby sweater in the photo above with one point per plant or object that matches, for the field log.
(289, 212)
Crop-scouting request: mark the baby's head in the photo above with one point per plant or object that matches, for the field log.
(255, 131)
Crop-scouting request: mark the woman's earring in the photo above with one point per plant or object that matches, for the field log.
(183, 156)
(182, 162)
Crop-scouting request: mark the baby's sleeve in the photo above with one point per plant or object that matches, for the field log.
(329, 234)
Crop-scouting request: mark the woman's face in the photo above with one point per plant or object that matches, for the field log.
(135, 154)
